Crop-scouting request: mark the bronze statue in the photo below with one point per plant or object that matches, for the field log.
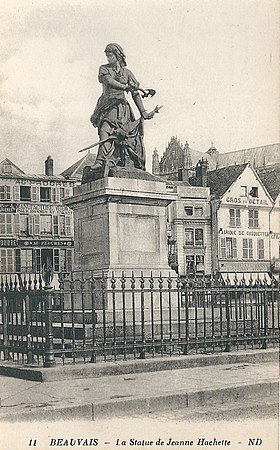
(121, 136)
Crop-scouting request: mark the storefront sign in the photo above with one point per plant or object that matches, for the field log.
(8, 242)
(47, 209)
(246, 201)
(8, 207)
(43, 243)
(245, 233)
(44, 182)
(31, 208)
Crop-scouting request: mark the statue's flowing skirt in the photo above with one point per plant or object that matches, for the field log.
(116, 116)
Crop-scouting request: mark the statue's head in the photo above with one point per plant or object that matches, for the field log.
(117, 50)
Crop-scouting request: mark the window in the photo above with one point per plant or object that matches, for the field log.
(254, 192)
(247, 249)
(46, 225)
(244, 191)
(55, 195)
(253, 218)
(234, 217)
(62, 194)
(190, 263)
(56, 259)
(200, 263)
(189, 236)
(6, 261)
(18, 268)
(260, 248)
(68, 225)
(67, 192)
(189, 210)
(5, 224)
(45, 194)
(36, 224)
(37, 260)
(23, 224)
(35, 197)
(25, 193)
(55, 226)
(26, 261)
(5, 192)
(68, 260)
(62, 260)
(228, 248)
(198, 212)
(199, 237)
(62, 225)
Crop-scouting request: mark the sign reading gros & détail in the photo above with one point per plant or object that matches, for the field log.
(246, 201)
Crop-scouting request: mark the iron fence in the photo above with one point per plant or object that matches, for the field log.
(91, 319)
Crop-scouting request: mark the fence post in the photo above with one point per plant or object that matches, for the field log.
(227, 298)
(28, 314)
(143, 343)
(49, 360)
(265, 318)
(5, 327)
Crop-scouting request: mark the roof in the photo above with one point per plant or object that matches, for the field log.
(262, 156)
(270, 177)
(17, 173)
(76, 170)
(14, 168)
(28, 176)
(220, 180)
(265, 155)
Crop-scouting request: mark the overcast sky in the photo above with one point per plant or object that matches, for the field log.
(214, 65)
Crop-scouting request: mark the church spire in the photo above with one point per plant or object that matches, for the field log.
(187, 157)
(155, 163)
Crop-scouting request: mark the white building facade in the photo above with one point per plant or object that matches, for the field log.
(241, 224)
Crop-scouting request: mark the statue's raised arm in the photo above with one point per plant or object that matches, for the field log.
(120, 134)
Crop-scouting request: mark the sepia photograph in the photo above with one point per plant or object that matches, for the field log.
(139, 224)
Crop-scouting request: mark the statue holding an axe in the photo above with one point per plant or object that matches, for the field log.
(121, 136)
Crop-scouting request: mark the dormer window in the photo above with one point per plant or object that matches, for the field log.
(254, 192)
(7, 168)
(189, 210)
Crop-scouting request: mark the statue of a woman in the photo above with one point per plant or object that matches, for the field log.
(120, 134)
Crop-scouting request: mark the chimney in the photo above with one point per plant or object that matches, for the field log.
(183, 174)
(49, 166)
(201, 172)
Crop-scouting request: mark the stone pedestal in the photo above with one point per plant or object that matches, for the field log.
(120, 225)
